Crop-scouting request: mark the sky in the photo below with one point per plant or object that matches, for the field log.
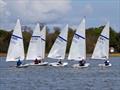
(60, 12)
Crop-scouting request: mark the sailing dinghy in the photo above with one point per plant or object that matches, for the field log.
(36, 49)
(101, 50)
(59, 48)
(16, 47)
(78, 46)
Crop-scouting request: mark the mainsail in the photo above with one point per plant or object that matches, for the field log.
(34, 49)
(59, 47)
(16, 48)
(43, 39)
(78, 46)
(101, 50)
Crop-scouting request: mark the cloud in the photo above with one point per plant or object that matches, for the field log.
(33, 11)
(88, 9)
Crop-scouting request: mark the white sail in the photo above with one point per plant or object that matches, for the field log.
(59, 47)
(43, 39)
(16, 48)
(101, 50)
(34, 49)
(78, 46)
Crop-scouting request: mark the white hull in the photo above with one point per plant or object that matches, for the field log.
(32, 64)
(56, 64)
(23, 66)
(103, 65)
(40, 64)
(78, 66)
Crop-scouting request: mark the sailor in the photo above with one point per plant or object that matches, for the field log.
(19, 63)
(107, 63)
(60, 62)
(39, 61)
(36, 61)
(82, 62)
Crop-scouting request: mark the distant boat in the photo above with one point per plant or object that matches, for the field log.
(78, 46)
(36, 49)
(101, 50)
(58, 49)
(16, 48)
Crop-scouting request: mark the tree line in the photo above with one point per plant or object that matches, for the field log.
(92, 35)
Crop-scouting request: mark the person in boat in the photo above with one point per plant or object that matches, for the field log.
(36, 61)
(40, 61)
(60, 62)
(82, 62)
(19, 63)
(107, 63)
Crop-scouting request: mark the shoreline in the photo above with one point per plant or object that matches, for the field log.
(112, 54)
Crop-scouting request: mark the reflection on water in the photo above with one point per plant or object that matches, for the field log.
(60, 78)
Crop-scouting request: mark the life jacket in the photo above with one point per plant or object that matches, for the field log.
(82, 63)
(36, 61)
(106, 63)
(19, 63)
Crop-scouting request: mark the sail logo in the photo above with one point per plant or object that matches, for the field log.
(35, 37)
(61, 39)
(102, 39)
(77, 36)
(13, 37)
(16, 37)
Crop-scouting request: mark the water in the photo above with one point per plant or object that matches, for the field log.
(60, 78)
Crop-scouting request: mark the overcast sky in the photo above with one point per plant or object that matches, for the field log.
(60, 12)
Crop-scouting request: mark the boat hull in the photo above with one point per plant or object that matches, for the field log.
(23, 66)
(40, 64)
(56, 64)
(32, 64)
(78, 66)
(103, 65)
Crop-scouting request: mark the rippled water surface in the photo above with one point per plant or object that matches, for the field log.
(60, 78)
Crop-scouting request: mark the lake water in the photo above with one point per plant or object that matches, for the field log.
(60, 78)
